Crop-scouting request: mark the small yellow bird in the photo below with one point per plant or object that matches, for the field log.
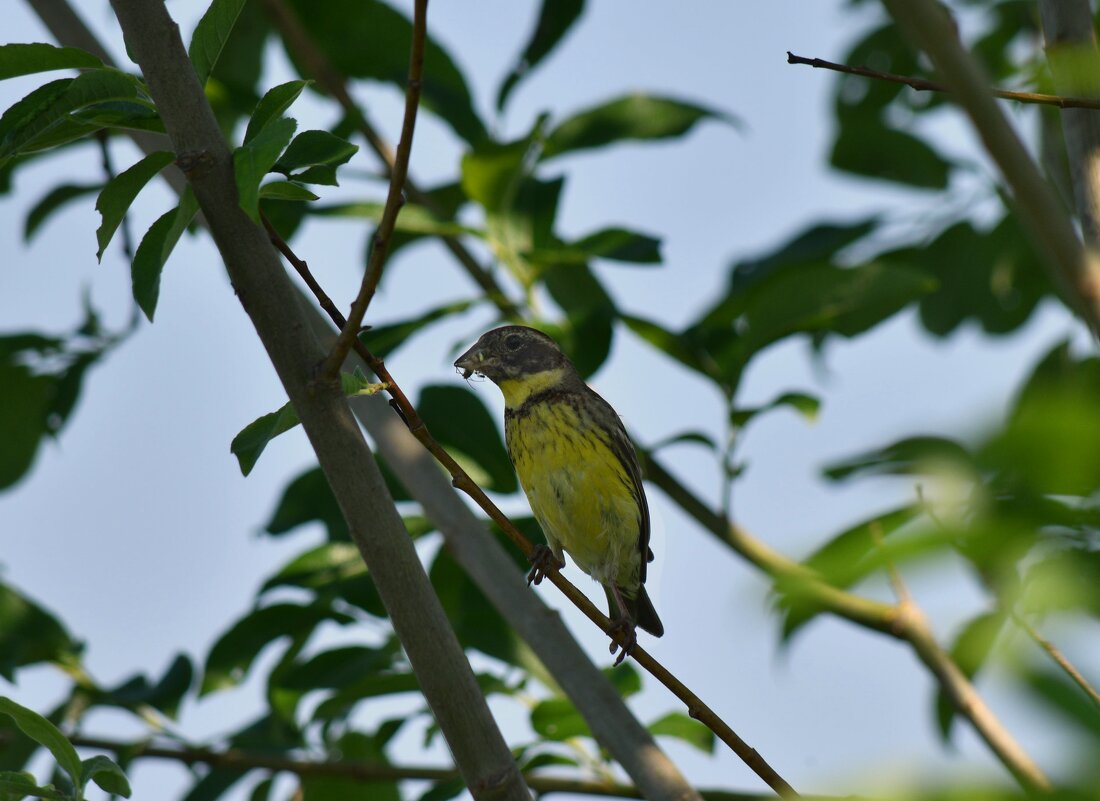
(577, 466)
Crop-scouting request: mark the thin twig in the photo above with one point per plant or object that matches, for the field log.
(695, 706)
(924, 85)
(317, 63)
(896, 581)
(238, 759)
(395, 198)
(1059, 658)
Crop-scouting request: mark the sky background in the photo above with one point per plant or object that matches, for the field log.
(138, 530)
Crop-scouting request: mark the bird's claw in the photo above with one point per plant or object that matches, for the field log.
(625, 628)
(542, 561)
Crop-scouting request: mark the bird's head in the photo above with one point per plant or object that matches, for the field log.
(512, 353)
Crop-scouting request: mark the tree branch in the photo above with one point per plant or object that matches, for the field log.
(924, 85)
(928, 26)
(395, 198)
(1068, 31)
(301, 44)
(696, 708)
(237, 759)
(267, 294)
(1059, 658)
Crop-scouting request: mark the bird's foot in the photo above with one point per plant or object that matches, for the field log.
(622, 628)
(542, 560)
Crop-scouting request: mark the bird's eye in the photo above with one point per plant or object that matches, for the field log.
(513, 342)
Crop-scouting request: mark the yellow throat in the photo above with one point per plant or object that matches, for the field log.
(517, 390)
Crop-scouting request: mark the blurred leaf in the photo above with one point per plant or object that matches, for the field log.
(29, 635)
(254, 159)
(286, 190)
(340, 704)
(42, 731)
(625, 678)
(614, 244)
(369, 39)
(590, 315)
(308, 499)
(556, 17)
(1066, 579)
(682, 727)
(24, 403)
(890, 155)
(155, 248)
(57, 198)
(912, 456)
(558, 719)
(339, 667)
(119, 194)
(805, 405)
(632, 117)
(1066, 699)
(460, 422)
(444, 790)
(165, 696)
(213, 785)
(969, 652)
(272, 106)
(331, 569)
(26, 59)
(211, 35)
(697, 437)
(106, 774)
(233, 87)
(359, 748)
(382, 340)
(671, 343)
(412, 219)
(234, 652)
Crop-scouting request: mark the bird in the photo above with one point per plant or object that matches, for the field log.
(577, 467)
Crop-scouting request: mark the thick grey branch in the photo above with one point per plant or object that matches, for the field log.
(269, 298)
(928, 26)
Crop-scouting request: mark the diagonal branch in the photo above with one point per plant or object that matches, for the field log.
(924, 85)
(928, 26)
(302, 45)
(695, 705)
(268, 296)
(395, 198)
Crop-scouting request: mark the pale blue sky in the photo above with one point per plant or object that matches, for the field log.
(139, 531)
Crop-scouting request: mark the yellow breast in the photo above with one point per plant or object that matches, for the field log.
(578, 489)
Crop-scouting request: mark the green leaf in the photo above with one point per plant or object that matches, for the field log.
(672, 344)
(155, 248)
(42, 731)
(890, 155)
(411, 219)
(342, 702)
(286, 190)
(48, 107)
(682, 727)
(614, 244)
(460, 422)
(806, 405)
(253, 438)
(24, 405)
(558, 719)
(638, 117)
(590, 314)
(254, 159)
(211, 34)
(16, 785)
(911, 456)
(355, 747)
(309, 499)
(382, 340)
(331, 569)
(444, 790)
(317, 154)
(106, 774)
(234, 652)
(119, 194)
(1065, 699)
(272, 106)
(338, 667)
(55, 199)
(970, 651)
(30, 635)
(370, 39)
(556, 17)
(26, 59)
(697, 437)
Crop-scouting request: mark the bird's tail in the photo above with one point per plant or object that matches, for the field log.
(641, 611)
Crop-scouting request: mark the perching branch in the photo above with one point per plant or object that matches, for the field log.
(237, 759)
(305, 49)
(696, 708)
(395, 198)
(924, 85)
(928, 26)
(267, 294)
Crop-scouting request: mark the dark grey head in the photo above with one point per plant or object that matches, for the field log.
(512, 352)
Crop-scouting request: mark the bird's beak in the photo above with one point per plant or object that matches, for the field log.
(472, 361)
